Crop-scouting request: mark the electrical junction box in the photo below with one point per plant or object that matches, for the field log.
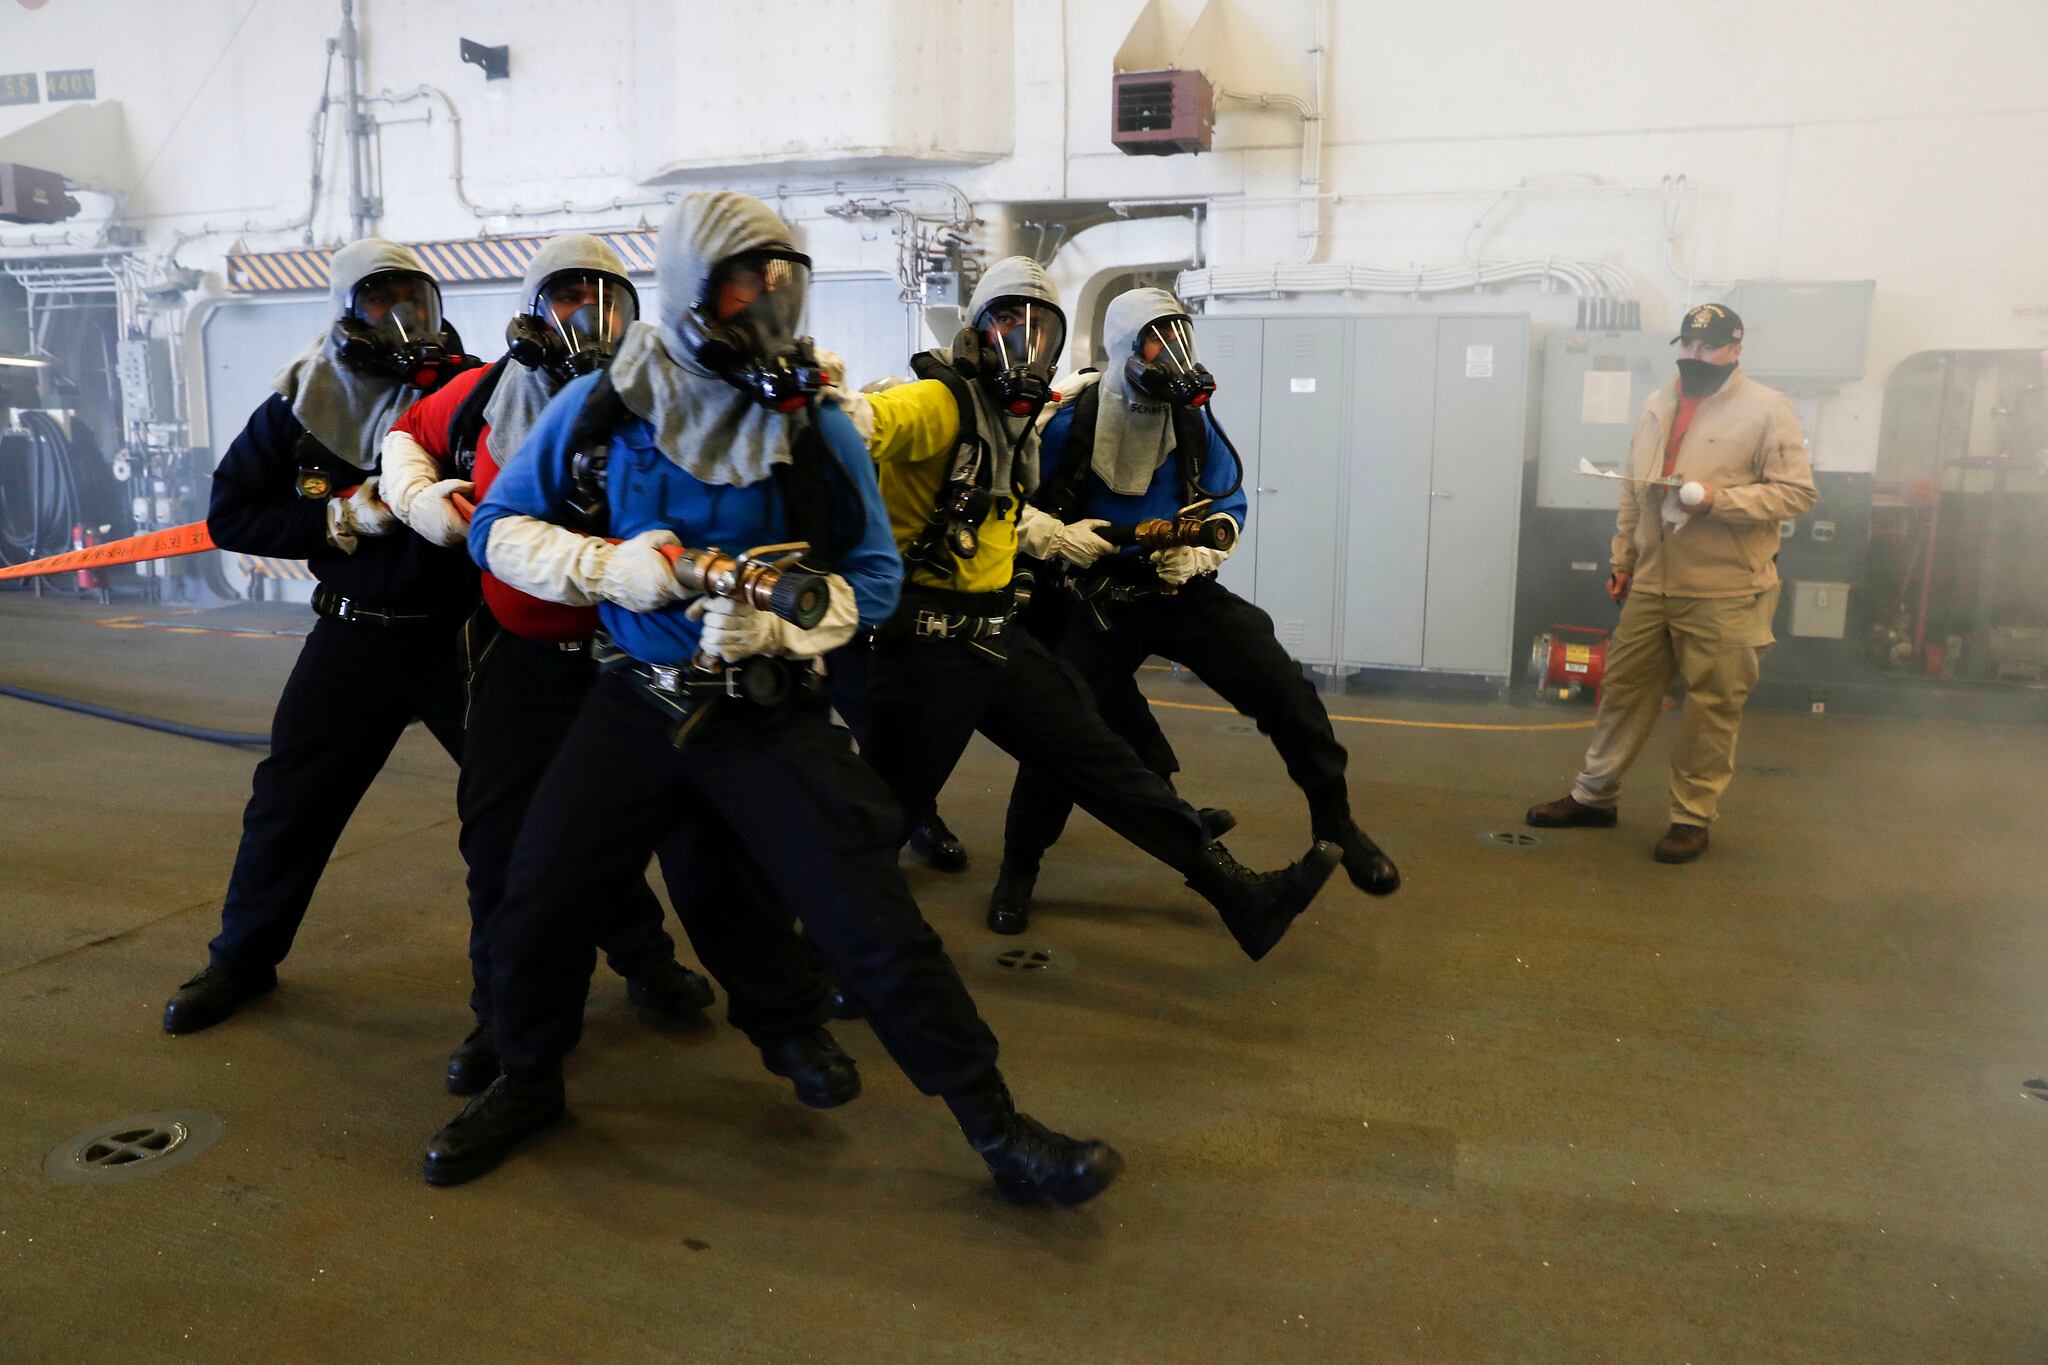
(1594, 388)
(1804, 332)
(1820, 611)
(143, 365)
(1161, 113)
(28, 195)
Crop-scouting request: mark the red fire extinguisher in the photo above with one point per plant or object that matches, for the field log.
(1569, 661)
(82, 539)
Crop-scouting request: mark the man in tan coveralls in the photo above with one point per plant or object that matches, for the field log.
(1696, 565)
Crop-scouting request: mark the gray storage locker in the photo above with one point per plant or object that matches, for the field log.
(1298, 499)
(1386, 497)
(1234, 351)
(1393, 409)
(1475, 494)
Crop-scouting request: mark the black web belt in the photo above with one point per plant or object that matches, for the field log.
(328, 602)
(682, 693)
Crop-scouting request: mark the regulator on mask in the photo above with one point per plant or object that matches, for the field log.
(1162, 365)
(1011, 346)
(573, 323)
(744, 328)
(393, 329)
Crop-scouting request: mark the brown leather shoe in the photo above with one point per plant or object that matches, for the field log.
(1681, 844)
(1566, 813)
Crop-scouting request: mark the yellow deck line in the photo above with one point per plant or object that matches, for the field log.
(1386, 720)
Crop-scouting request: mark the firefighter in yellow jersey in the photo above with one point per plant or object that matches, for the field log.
(958, 457)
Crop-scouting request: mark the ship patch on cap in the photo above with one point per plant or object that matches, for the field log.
(1711, 322)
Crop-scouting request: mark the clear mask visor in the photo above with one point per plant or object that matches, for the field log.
(1168, 342)
(1023, 334)
(402, 307)
(589, 309)
(766, 289)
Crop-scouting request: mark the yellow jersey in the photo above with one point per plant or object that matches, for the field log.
(917, 425)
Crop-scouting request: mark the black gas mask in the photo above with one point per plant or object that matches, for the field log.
(744, 328)
(393, 330)
(1011, 347)
(1163, 367)
(573, 323)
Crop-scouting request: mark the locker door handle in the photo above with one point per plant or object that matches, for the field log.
(1434, 494)
(1263, 489)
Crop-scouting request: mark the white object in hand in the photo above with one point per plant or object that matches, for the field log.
(1693, 494)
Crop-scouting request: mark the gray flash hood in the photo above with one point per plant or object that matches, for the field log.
(516, 403)
(1133, 433)
(713, 431)
(1011, 277)
(347, 412)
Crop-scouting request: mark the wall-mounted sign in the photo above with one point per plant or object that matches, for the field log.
(19, 88)
(69, 85)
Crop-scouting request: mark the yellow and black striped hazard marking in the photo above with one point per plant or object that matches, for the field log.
(467, 261)
(284, 570)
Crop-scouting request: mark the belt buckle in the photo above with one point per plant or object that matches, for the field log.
(665, 678)
(344, 609)
(930, 623)
(730, 677)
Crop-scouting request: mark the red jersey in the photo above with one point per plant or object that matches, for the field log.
(1680, 422)
(430, 422)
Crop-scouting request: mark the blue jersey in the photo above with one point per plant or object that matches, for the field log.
(646, 491)
(1161, 499)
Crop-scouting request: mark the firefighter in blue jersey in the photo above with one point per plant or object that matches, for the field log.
(1136, 448)
(301, 482)
(529, 669)
(958, 458)
(706, 725)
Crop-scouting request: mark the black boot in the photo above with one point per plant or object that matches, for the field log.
(936, 846)
(474, 1065)
(1009, 904)
(1258, 907)
(1216, 822)
(670, 994)
(490, 1126)
(213, 995)
(824, 1076)
(1030, 1162)
(1369, 868)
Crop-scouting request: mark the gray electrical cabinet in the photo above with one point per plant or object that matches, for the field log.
(1384, 458)
(1804, 331)
(1594, 386)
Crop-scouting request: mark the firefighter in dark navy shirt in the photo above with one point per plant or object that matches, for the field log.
(301, 482)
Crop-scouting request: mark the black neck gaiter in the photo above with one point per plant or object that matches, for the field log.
(1697, 379)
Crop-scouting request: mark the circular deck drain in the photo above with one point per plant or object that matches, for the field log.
(1513, 838)
(142, 1144)
(1030, 961)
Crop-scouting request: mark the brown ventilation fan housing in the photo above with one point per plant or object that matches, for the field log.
(1162, 113)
